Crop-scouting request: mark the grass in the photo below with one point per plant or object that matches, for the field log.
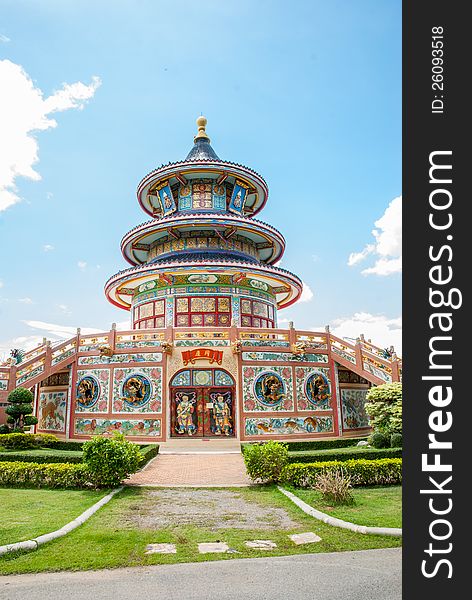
(105, 541)
(42, 452)
(28, 513)
(373, 506)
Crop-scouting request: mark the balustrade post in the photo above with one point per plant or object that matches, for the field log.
(112, 337)
(359, 360)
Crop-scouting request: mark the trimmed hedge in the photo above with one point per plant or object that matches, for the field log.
(344, 454)
(24, 441)
(149, 451)
(316, 444)
(63, 445)
(383, 471)
(24, 474)
(48, 458)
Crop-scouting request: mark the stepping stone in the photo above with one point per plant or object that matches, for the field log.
(261, 544)
(208, 547)
(161, 549)
(305, 538)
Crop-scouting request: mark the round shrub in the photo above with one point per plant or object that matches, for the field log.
(265, 462)
(379, 440)
(110, 460)
(396, 440)
(4, 429)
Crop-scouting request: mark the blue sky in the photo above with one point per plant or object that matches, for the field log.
(307, 93)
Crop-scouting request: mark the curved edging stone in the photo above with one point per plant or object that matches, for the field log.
(321, 516)
(47, 537)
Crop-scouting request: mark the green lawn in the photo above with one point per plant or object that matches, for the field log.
(29, 513)
(41, 452)
(374, 506)
(107, 541)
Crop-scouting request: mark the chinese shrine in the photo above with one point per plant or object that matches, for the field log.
(205, 357)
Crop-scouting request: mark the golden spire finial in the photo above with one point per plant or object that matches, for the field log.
(202, 134)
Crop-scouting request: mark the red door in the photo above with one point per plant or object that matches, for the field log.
(202, 412)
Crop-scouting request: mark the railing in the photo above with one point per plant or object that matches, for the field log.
(365, 358)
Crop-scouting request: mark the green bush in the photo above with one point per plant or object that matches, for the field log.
(25, 456)
(384, 471)
(24, 441)
(4, 429)
(266, 461)
(147, 452)
(396, 440)
(63, 445)
(379, 440)
(384, 407)
(364, 452)
(317, 444)
(110, 460)
(20, 409)
(24, 474)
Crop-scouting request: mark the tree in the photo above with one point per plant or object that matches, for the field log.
(20, 408)
(384, 407)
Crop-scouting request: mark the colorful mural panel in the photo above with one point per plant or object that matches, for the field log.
(52, 407)
(92, 390)
(167, 200)
(131, 427)
(237, 198)
(313, 388)
(288, 426)
(353, 410)
(121, 358)
(137, 390)
(283, 357)
(267, 389)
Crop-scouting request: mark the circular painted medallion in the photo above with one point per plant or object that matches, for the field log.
(269, 388)
(88, 391)
(202, 377)
(317, 389)
(136, 390)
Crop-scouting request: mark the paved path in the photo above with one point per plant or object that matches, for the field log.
(365, 575)
(193, 470)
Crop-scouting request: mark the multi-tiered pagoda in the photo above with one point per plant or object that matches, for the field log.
(203, 260)
(205, 357)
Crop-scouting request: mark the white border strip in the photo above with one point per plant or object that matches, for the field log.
(309, 510)
(47, 537)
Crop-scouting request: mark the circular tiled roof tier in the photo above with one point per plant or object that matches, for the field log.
(229, 230)
(285, 286)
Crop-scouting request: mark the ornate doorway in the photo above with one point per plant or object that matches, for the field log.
(202, 403)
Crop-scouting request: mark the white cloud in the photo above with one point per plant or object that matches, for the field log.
(82, 265)
(24, 111)
(124, 325)
(25, 300)
(307, 293)
(1, 283)
(4, 39)
(48, 248)
(26, 342)
(64, 309)
(387, 248)
(382, 330)
(60, 331)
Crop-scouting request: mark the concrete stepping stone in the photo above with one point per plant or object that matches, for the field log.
(261, 544)
(304, 538)
(208, 547)
(161, 549)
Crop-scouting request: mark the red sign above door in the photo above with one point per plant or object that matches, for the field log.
(213, 356)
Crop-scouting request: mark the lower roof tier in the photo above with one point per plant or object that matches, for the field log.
(216, 275)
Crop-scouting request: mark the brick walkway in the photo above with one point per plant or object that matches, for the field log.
(193, 470)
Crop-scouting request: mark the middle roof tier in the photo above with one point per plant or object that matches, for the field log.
(203, 233)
